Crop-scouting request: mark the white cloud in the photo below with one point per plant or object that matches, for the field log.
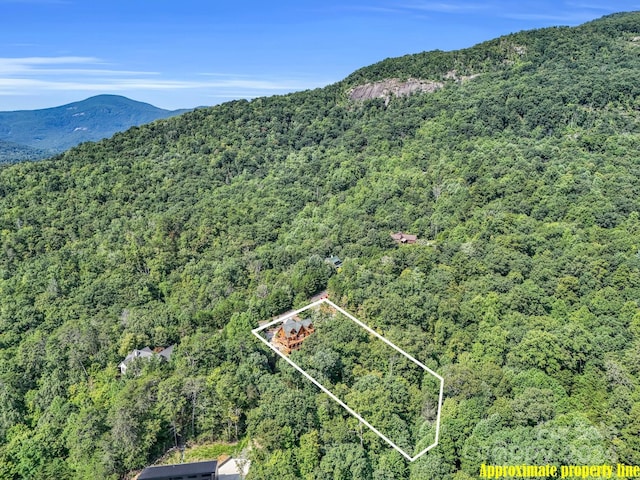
(22, 45)
(365, 8)
(569, 12)
(62, 77)
(570, 17)
(591, 6)
(39, 2)
(17, 66)
(42, 66)
(89, 71)
(444, 7)
(414, 9)
(21, 85)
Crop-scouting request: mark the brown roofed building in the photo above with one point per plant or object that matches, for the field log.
(290, 335)
(404, 237)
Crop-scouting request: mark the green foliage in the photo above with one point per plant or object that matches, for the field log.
(13, 152)
(521, 184)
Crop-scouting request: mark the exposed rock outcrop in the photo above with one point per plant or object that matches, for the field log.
(453, 75)
(392, 87)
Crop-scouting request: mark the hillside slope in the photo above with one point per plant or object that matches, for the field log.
(12, 152)
(56, 129)
(524, 180)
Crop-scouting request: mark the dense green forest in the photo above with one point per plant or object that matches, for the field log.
(14, 152)
(395, 395)
(522, 184)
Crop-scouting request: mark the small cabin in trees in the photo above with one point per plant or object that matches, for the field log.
(403, 238)
(290, 335)
(146, 352)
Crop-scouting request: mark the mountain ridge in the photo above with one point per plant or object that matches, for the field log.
(55, 129)
(488, 56)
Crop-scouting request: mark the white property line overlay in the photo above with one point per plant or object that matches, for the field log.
(256, 332)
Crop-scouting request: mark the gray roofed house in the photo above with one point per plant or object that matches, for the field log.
(182, 471)
(166, 353)
(146, 352)
(291, 327)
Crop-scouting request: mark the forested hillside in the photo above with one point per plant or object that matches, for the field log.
(520, 177)
(13, 152)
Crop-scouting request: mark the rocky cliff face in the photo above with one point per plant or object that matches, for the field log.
(392, 87)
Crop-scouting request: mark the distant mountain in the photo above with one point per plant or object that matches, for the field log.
(40, 133)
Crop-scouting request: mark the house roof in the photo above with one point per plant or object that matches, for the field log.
(334, 260)
(400, 236)
(146, 352)
(166, 353)
(177, 471)
(292, 326)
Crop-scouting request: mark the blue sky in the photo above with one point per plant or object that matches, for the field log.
(187, 53)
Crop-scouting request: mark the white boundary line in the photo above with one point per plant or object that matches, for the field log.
(256, 332)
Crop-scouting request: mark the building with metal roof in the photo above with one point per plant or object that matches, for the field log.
(182, 471)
